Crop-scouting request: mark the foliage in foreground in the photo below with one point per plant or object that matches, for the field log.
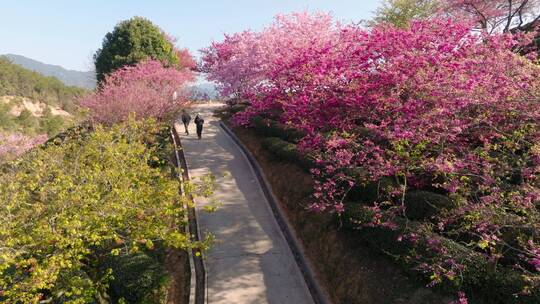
(69, 207)
(432, 106)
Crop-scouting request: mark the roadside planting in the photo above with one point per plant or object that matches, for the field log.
(428, 133)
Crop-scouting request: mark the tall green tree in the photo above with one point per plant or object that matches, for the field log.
(400, 12)
(130, 42)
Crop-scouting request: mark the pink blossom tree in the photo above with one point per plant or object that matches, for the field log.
(15, 144)
(430, 106)
(145, 90)
(242, 63)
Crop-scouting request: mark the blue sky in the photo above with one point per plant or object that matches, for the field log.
(68, 32)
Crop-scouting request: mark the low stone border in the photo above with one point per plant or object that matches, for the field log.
(317, 293)
(196, 256)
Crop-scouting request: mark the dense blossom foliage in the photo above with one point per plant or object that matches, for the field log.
(432, 106)
(145, 89)
(15, 144)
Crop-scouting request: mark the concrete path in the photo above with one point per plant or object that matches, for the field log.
(250, 261)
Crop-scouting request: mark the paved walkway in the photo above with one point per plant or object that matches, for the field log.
(250, 261)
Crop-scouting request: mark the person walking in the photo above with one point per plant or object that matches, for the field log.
(186, 118)
(199, 121)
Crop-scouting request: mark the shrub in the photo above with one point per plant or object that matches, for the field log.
(78, 200)
(281, 149)
(51, 124)
(271, 128)
(424, 204)
(138, 278)
(287, 152)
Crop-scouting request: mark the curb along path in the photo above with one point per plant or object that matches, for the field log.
(250, 260)
(319, 297)
(198, 287)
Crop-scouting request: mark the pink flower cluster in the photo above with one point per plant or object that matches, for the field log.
(145, 90)
(15, 144)
(434, 106)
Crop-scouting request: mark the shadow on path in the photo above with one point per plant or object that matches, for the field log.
(250, 261)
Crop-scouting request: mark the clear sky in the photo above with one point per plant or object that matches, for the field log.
(68, 32)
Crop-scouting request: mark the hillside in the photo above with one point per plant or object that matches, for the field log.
(68, 77)
(31, 103)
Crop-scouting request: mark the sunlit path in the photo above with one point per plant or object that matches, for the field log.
(250, 261)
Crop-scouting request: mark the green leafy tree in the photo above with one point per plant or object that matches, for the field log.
(400, 12)
(130, 42)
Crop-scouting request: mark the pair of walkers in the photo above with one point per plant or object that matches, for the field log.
(199, 122)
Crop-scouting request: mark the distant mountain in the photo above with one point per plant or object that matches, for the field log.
(68, 77)
(32, 103)
(205, 88)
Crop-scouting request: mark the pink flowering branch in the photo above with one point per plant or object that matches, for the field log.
(15, 144)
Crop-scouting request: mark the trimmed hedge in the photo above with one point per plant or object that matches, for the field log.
(424, 204)
(286, 151)
(370, 192)
(237, 108)
(270, 128)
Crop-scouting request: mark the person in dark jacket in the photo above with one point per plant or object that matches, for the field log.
(186, 118)
(199, 121)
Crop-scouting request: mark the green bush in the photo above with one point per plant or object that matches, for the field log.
(51, 124)
(236, 108)
(271, 128)
(286, 152)
(27, 120)
(368, 193)
(424, 204)
(138, 278)
(6, 119)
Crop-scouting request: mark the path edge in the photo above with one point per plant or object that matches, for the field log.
(200, 287)
(305, 266)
